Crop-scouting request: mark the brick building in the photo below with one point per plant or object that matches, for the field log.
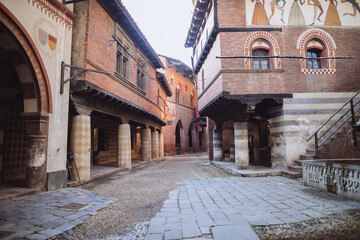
(182, 134)
(35, 37)
(119, 117)
(264, 107)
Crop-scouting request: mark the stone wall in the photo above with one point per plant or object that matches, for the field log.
(297, 119)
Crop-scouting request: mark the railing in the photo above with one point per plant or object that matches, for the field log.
(326, 130)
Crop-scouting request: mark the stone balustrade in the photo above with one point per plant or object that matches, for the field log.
(338, 176)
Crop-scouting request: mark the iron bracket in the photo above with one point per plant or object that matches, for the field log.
(82, 70)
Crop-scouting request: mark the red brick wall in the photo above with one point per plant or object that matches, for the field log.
(99, 54)
(340, 145)
(289, 79)
(182, 111)
(231, 13)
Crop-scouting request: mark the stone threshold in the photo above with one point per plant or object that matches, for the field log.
(11, 193)
(251, 171)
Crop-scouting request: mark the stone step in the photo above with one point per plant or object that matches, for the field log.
(295, 168)
(307, 157)
(290, 174)
(310, 152)
(298, 162)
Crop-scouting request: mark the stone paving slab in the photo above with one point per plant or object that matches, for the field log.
(222, 205)
(41, 216)
(234, 232)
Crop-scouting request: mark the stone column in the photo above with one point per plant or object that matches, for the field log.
(80, 145)
(124, 146)
(232, 153)
(161, 145)
(155, 144)
(36, 128)
(146, 144)
(217, 143)
(241, 144)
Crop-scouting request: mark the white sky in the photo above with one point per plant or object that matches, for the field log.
(165, 24)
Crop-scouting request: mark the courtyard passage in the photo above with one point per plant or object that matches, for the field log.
(182, 197)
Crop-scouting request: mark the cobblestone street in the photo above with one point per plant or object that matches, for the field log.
(183, 197)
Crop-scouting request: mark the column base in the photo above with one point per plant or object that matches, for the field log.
(36, 177)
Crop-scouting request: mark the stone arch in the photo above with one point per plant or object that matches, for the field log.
(42, 90)
(34, 90)
(269, 38)
(316, 33)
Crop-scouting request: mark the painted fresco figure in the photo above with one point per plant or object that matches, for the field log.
(259, 16)
(317, 5)
(296, 17)
(275, 4)
(332, 15)
(355, 6)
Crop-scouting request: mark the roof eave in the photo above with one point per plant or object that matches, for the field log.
(118, 11)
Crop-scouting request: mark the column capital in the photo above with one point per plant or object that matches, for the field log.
(36, 124)
(125, 120)
(81, 110)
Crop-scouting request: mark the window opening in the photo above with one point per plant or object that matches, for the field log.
(140, 76)
(122, 61)
(260, 63)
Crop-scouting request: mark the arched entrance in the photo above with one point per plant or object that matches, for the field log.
(24, 105)
(179, 133)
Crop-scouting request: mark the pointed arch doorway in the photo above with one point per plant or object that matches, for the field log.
(179, 134)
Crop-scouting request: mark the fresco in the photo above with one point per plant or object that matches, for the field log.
(303, 12)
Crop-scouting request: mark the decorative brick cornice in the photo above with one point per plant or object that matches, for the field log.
(55, 10)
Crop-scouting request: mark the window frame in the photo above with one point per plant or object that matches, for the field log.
(141, 76)
(260, 60)
(122, 50)
(177, 94)
(270, 61)
(322, 52)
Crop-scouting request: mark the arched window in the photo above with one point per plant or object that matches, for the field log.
(261, 45)
(315, 43)
(177, 94)
(314, 50)
(260, 48)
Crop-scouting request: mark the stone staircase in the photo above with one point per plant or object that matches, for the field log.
(335, 139)
(295, 170)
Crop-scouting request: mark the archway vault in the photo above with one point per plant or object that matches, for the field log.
(42, 90)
